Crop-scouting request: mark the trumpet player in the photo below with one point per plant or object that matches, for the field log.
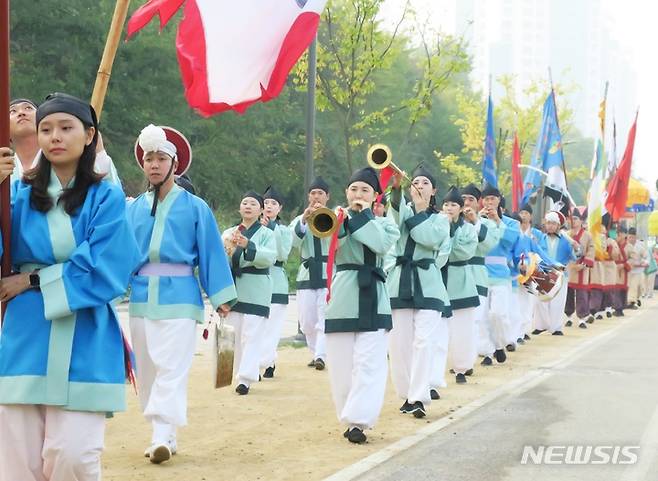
(418, 295)
(253, 248)
(359, 311)
(312, 274)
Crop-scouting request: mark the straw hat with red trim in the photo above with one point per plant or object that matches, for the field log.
(165, 139)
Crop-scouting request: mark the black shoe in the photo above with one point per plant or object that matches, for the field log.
(599, 317)
(347, 431)
(319, 364)
(619, 314)
(452, 371)
(460, 379)
(582, 325)
(312, 363)
(558, 333)
(434, 394)
(632, 306)
(260, 378)
(537, 332)
(608, 314)
(639, 303)
(418, 410)
(526, 337)
(500, 355)
(469, 372)
(510, 348)
(242, 389)
(356, 436)
(269, 372)
(520, 341)
(405, 408)
(590, 320)
(568, 323)
(486, 361)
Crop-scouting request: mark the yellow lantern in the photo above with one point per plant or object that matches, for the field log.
(637, 193)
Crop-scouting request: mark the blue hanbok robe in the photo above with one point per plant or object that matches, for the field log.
(183, 231)
(62, 345)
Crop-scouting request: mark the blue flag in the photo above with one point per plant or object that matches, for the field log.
(548, 150)
(489, 162)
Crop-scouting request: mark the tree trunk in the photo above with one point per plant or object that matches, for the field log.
(348, 150)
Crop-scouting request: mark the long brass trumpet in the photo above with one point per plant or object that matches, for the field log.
(322, 222)
(380, 156)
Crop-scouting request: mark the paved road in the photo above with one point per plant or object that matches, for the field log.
(606, 397)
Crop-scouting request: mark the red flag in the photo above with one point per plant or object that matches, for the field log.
(385, 176)
(333, 247)
(517, 183)
(618, 186)
(231, 53)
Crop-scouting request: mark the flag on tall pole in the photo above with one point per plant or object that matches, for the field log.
(233, 54)
(618, 186)
(548, 158)
(489, 162)
(517, 183)
(596, 201)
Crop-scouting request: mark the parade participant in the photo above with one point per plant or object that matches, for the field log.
(461, 287)
(603, 276)
(252, 252)
(418, 295)
(312, 274)
(23, 136)
(359, 311)
(273, 202)
(558, 246)
(619, 294)
(498, 325)
(579, 273)
(62, 354)
(637, 257)
(180, 236)
(488, 236)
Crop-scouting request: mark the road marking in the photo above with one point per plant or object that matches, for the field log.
(515, 388)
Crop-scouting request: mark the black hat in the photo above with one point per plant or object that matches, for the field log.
(367, 175)
(254, 195)
(59, 102)
(23, 100)
(471, 189)
(422, 171)
(454, 195)
(584, 214)
(527, 208)
(605, 220)
(489, 189)
(516, 216)
(622, 229)
(319, 183)
(272, 193)
(632, 231)
(185, 182)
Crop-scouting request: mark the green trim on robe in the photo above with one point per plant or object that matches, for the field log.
(359, 299)
(414, 280)
(457, 274)
(253, 278)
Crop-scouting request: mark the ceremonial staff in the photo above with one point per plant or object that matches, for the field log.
(5, 211)
(111, 45)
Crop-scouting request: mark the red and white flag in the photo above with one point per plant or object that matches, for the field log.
(233, 53)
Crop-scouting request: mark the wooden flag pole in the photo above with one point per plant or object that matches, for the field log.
(5, 210)
(109, 53)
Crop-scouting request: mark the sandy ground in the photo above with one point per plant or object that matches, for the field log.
(286, 427)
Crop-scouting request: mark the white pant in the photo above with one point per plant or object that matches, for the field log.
(47, 443)
(440, 356)
(463, 342)
(650, 280)
(635, 286)
(311, 304)
(357, 372)
(484, 343)
(411, 350)
(526, 308)
(164, 350)
(548, 315)
(272, 334)
(498, 317)
(248, 346)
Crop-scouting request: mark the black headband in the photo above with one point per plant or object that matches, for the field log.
(22, 100)
(59, 102)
